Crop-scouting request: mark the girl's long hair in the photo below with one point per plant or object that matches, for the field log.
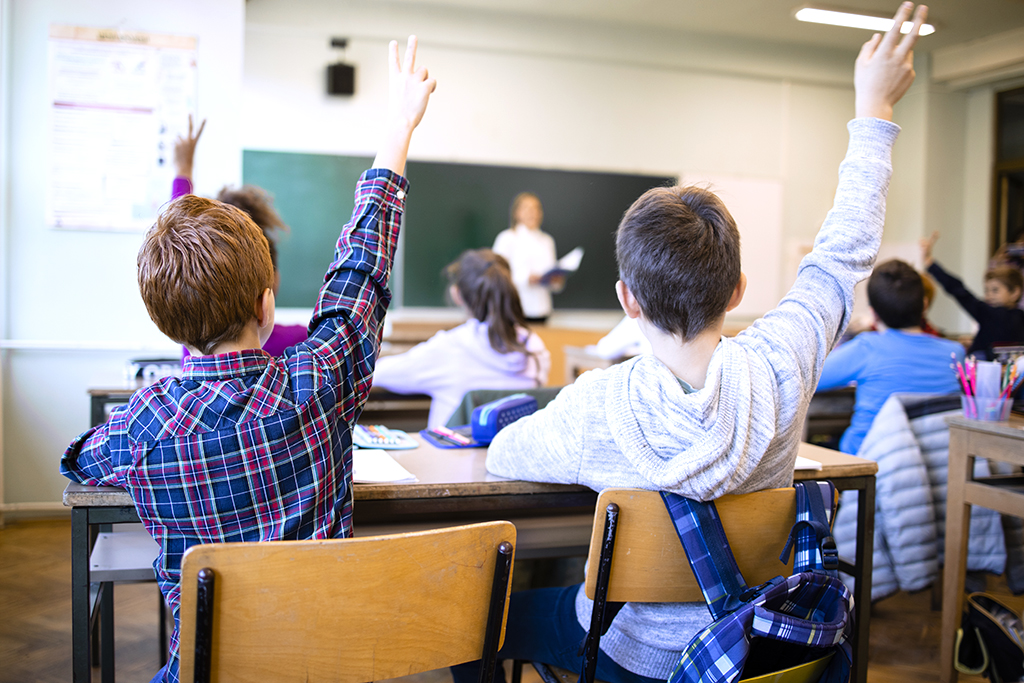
(484, 281)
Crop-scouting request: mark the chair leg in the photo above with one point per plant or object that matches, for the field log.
(604, 567)
(517, 670)
(164, 643)
(204, 625)
(545, 673)
(496, 612)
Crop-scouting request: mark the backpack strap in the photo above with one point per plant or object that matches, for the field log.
(812, 534)
(707, 549)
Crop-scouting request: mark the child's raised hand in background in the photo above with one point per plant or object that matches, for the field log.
(885, 65)
(927, 244)
(185, 150)
(409, 92)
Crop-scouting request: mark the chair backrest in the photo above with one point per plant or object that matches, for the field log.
(648, 561)
(348, 610)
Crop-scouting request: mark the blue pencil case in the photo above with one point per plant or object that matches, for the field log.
(486, 421)
(491, 418)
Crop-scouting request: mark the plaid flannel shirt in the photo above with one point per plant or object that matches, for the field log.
(247, 447)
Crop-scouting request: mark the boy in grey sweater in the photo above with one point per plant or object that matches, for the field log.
(703, 415)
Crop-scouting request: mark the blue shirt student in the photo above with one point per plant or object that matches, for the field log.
(883, 363)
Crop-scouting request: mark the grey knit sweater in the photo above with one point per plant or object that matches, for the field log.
(633, 425)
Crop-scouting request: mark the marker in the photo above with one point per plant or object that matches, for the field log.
(441, 437)
(454, 436)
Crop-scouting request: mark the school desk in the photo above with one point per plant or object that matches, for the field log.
(454, 487)
(970, 439)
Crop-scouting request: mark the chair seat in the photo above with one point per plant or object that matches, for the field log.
(123, 556)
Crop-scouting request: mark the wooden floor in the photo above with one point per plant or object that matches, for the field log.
(35, 619)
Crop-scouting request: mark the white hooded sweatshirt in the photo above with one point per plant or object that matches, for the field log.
(455, 361)
(633, 425)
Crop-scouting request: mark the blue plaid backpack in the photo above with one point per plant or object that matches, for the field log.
(783, 623)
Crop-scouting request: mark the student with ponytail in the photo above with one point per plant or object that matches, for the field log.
(491, 350)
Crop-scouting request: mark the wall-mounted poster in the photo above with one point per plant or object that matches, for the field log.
(118, 101)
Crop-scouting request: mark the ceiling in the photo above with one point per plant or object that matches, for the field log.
(956, 21)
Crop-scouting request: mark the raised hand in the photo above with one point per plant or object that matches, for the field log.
(185, 150)
(885, 65)
(927, 244)
(409, 88)
(409, 91)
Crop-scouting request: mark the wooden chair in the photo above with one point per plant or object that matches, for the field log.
(345, 610)
(636, 556)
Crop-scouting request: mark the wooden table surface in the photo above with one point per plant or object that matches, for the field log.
(452, 472)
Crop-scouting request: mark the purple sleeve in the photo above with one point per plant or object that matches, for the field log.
(283, 336)
(181, 186)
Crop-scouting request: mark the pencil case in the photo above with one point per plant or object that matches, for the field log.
(491, 418)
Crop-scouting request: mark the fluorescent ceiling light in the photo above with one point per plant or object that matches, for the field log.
(833, 17)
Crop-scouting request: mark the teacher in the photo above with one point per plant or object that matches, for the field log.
(530, 253)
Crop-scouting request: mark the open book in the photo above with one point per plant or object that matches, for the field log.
(564, 267)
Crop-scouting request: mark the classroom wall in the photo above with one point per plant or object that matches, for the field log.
(73, 312)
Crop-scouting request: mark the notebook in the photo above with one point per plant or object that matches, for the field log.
(376, 466)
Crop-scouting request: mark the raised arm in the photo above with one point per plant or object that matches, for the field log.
(410, 89)
(884, 69)
(347, 321)
(184, 153)
(810, 319)
(952, 284)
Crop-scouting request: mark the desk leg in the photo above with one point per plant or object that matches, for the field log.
(107, 632)
(958, 519)
(80, 669)
(862, 579)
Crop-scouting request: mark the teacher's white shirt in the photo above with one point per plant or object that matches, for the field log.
(529, 252)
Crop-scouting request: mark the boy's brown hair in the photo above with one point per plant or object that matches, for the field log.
(202, 268)
(896, 294)
(678, 251)
(1009, 276)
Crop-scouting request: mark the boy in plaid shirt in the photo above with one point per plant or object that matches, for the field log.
(247, 447)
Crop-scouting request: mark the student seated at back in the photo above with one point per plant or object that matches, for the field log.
(246, 446)
(703, 415)
(492, 350)
(898, 357)
(1000, 320)
(259, 206)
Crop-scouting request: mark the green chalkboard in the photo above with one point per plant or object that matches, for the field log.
(451, 207)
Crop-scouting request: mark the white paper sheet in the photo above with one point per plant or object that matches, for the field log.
(803, 463)
(375, 466)
(571, 261)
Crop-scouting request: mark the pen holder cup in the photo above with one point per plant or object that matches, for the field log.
(987, 409)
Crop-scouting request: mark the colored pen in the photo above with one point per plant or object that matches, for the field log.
(441, 437)
(455, 436)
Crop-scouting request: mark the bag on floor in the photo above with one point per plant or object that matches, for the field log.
(990, 640)
(800, 625)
